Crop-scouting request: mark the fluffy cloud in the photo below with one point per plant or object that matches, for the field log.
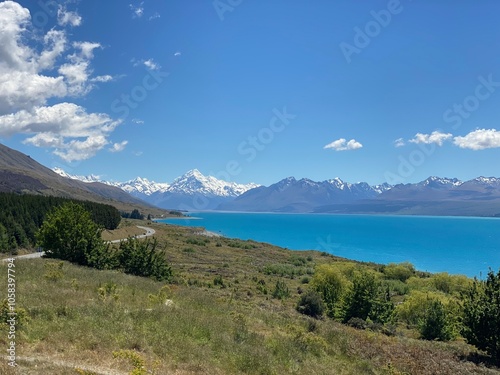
(343, 145)
(65, 17)
(479, 139)
(35, 69)
(118, 147)
(62, 127)
(400, 142)
(137, 11)
(435, 137)
(150, 64)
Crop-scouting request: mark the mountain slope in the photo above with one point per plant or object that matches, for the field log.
(194, 191)
(291, 195)
(20, 173)
(191, 191)
(433, 196)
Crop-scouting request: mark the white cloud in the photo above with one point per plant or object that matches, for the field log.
(150, 64)
(435, 137)
(104, 78)
(77, 150)
(138, 10)
(479, 139)
(55, 41)
(154, 16)
(138, 153)
(138, 121)
(37, 68)
(343, 145)
(65, 17)
(177, 54)
(118, 147)
(399, 142)
(61, 127)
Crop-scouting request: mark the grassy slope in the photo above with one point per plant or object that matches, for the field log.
(210, 329)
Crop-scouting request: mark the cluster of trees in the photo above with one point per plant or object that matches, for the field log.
(440, 306)
(69, 233)
(22, 215)
(135, 214)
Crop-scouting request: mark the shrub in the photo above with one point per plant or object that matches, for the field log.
(402, 271)
(360, 298)
(68, 233)
(481, 315)
(330, 284)
(434, 325)
(141, 258)
(310, 304)
(281, 290)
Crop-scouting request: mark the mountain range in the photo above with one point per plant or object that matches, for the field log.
(194, 191)
(190, 192)
(433, 196)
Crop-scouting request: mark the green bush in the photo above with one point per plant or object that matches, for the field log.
(360, 298)
(142, 258)
(330, 284)
(399, 271)
(481, 315)
(281, 290)
(311, 304)
(68, 233)
(434, 325)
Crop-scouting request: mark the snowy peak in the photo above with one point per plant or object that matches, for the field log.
(438, 182)
(194, 182)
(138, 186)
(190, 183)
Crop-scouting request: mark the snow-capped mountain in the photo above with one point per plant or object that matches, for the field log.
(89, 178)
(142, 186)
(139, 187)
(194, 182)
(304, 195)
(185, 192)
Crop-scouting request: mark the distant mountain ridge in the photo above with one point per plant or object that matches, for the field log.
(191, 191)
(304, 195)
(432, 196)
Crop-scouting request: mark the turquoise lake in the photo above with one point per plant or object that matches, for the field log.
(460, 245)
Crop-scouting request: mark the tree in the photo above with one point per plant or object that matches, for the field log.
(434, 325)
(69, 233)
(4, 239)
(136, 214)
(329, 283)
(360, 298)
(481, 315)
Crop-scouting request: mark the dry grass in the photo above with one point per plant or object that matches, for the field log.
(228, 326)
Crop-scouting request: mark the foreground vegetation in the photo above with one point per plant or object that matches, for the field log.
(22, 215)
(236, 306)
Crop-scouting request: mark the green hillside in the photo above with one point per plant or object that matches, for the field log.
(230, 308)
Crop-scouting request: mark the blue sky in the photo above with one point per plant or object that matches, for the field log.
(253, 91)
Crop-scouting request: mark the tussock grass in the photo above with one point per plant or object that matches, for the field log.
(208, 326)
